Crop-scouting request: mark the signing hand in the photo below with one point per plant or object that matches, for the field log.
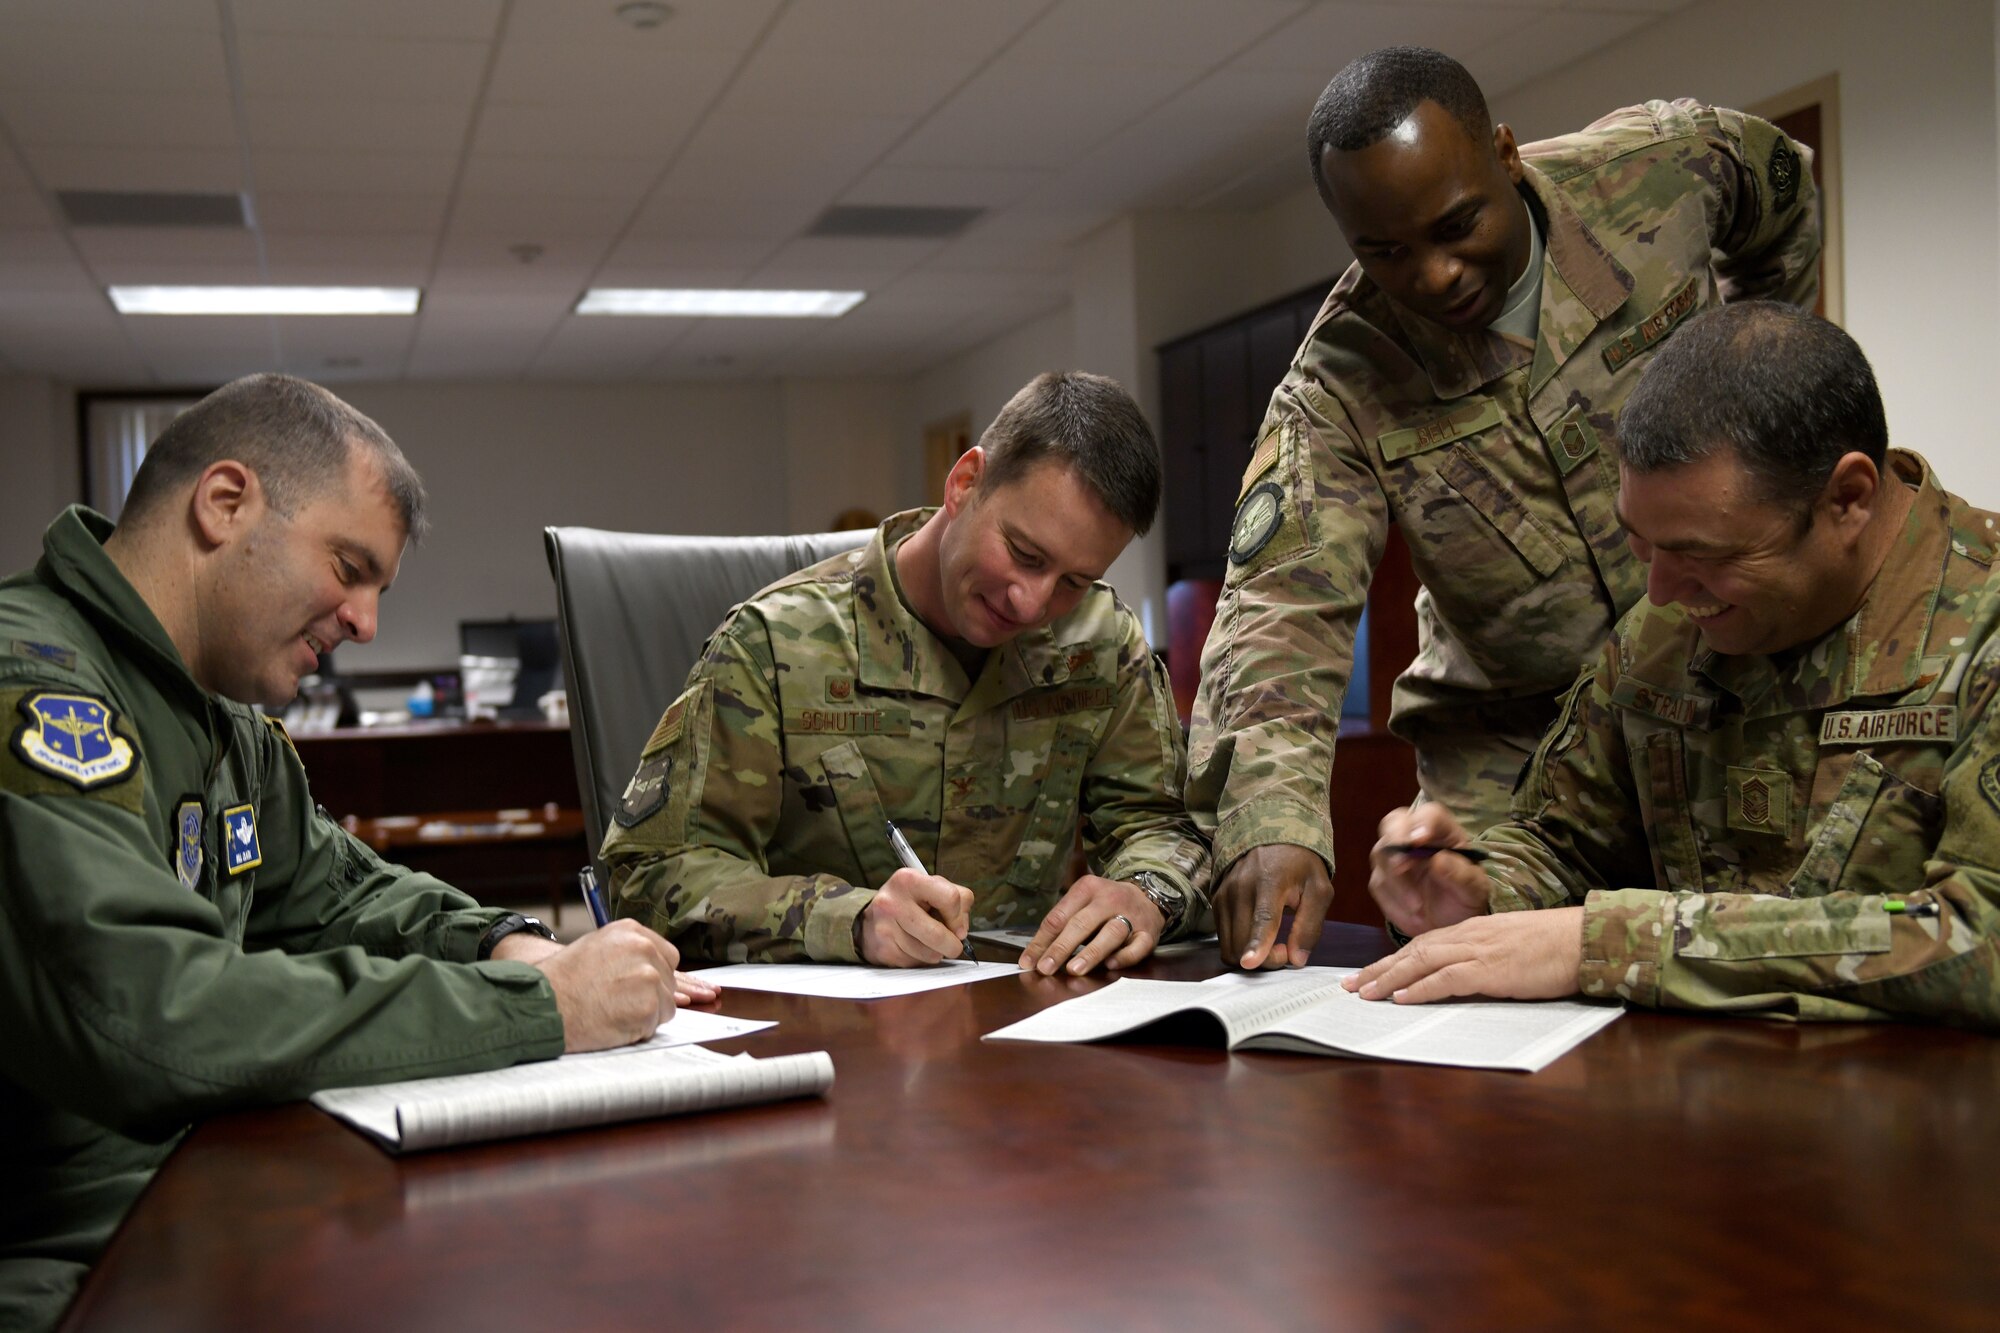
(915, 920)
(613, 987)
(1250, 905)
(1098, 921)
(1511, 956)
(1422, 892)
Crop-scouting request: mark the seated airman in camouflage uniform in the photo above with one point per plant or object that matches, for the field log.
(965, 675)
(1462, 383)
(1777, 789)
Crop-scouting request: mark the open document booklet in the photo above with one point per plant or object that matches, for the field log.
(570, 1092)
(1308, 1011)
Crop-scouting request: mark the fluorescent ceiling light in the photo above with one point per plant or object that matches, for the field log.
(724, 301)
(265, 300)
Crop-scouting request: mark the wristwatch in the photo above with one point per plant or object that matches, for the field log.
(508, 925)
(1170, 900)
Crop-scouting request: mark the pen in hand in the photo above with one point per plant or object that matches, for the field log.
(908, 856)
(1472, 854)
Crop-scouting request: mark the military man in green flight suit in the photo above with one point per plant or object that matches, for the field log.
(965, 675)
(185, 932)
(1462, 382)
(1777, 788)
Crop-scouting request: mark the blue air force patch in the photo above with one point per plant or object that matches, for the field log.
(70, 736)
(188, 821)
(239, 839)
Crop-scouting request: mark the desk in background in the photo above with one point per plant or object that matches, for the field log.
(1670, 1172)
(392, 781)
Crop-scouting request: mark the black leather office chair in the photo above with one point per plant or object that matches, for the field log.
(634, 609)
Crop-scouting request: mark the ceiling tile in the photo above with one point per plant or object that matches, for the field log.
(128, 60)
(171, 245)
(358, 125)
(1027, 116)
(1326, 37)
(696, 25)
(280, 212)
(72, 167)
(348, 171)
(361, 70)
(944, 187)
(816, 83)
(33, 245)
(1093, 33)
(626, 178)
(405, 251)
(633, 76)
(110, 14)
(1547, 44)
(23, 209)
(743, 157)
(594, 130)
(607, 348)
(905, 30)
(740, 219)
(538, 217)
(155, 120)
(477, 19)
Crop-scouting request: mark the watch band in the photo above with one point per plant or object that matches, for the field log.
(1163, 895)
(508, 925)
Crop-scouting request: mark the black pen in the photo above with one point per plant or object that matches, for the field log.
(1472, 854)
(908, 856)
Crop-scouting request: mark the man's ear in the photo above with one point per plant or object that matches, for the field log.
(962, 482)
(1509, 153)
(227, 499)
(1853, 491)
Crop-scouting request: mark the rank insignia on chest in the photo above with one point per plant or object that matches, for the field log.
(839, 689)
(239, 839)
(70, 736)
(1760, 800)
(188, 821)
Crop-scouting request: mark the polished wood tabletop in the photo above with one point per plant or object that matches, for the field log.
(1670, 1172)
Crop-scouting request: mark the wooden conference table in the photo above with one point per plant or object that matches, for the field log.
(1670, 1172)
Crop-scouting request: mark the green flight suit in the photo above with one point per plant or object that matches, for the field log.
(1495, 457)
(753, 829)
(1737, 828)
(184, 932)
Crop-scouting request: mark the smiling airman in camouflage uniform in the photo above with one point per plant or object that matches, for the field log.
(1495, 456)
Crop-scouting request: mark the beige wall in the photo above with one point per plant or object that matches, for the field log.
(845, 448)
(38, 459)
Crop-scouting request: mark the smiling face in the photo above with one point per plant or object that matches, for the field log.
(1748, 576)
(1433, 217)
(287, 589)
(1013, 558)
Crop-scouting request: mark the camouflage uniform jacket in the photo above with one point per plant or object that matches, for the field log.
(184, 932)
(1737, 827)
(1497, 461)
(753, 829)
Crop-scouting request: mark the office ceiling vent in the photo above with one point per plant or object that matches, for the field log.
(150, 208)
(891, 222)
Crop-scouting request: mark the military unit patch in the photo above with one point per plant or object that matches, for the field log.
(1784, 172)
(240, 851)
(71, 737)
(1258, 519)
(189, 820)
(1989, 782)
(646, 792)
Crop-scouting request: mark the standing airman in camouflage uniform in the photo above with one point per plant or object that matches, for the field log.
(964, 675)
(1461, 382)
(1778, 788)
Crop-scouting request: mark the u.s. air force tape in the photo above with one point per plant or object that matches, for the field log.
(1258, 519)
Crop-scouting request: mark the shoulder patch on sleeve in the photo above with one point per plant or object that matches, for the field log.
(1783, 172)
(65, 740)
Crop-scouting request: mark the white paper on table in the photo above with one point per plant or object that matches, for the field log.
(685, 1028)
(851, 981)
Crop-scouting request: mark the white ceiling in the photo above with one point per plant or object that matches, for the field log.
(423, 141)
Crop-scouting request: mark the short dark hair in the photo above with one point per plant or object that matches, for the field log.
(1789, 392)
(1377, 92)
(293, 434)
(1086, 422)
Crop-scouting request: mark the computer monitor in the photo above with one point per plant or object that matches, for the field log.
(532, 643)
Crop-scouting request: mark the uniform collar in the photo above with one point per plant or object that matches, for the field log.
(1881, 649)
(900, 652)
(1577, 268)
(74, 559)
